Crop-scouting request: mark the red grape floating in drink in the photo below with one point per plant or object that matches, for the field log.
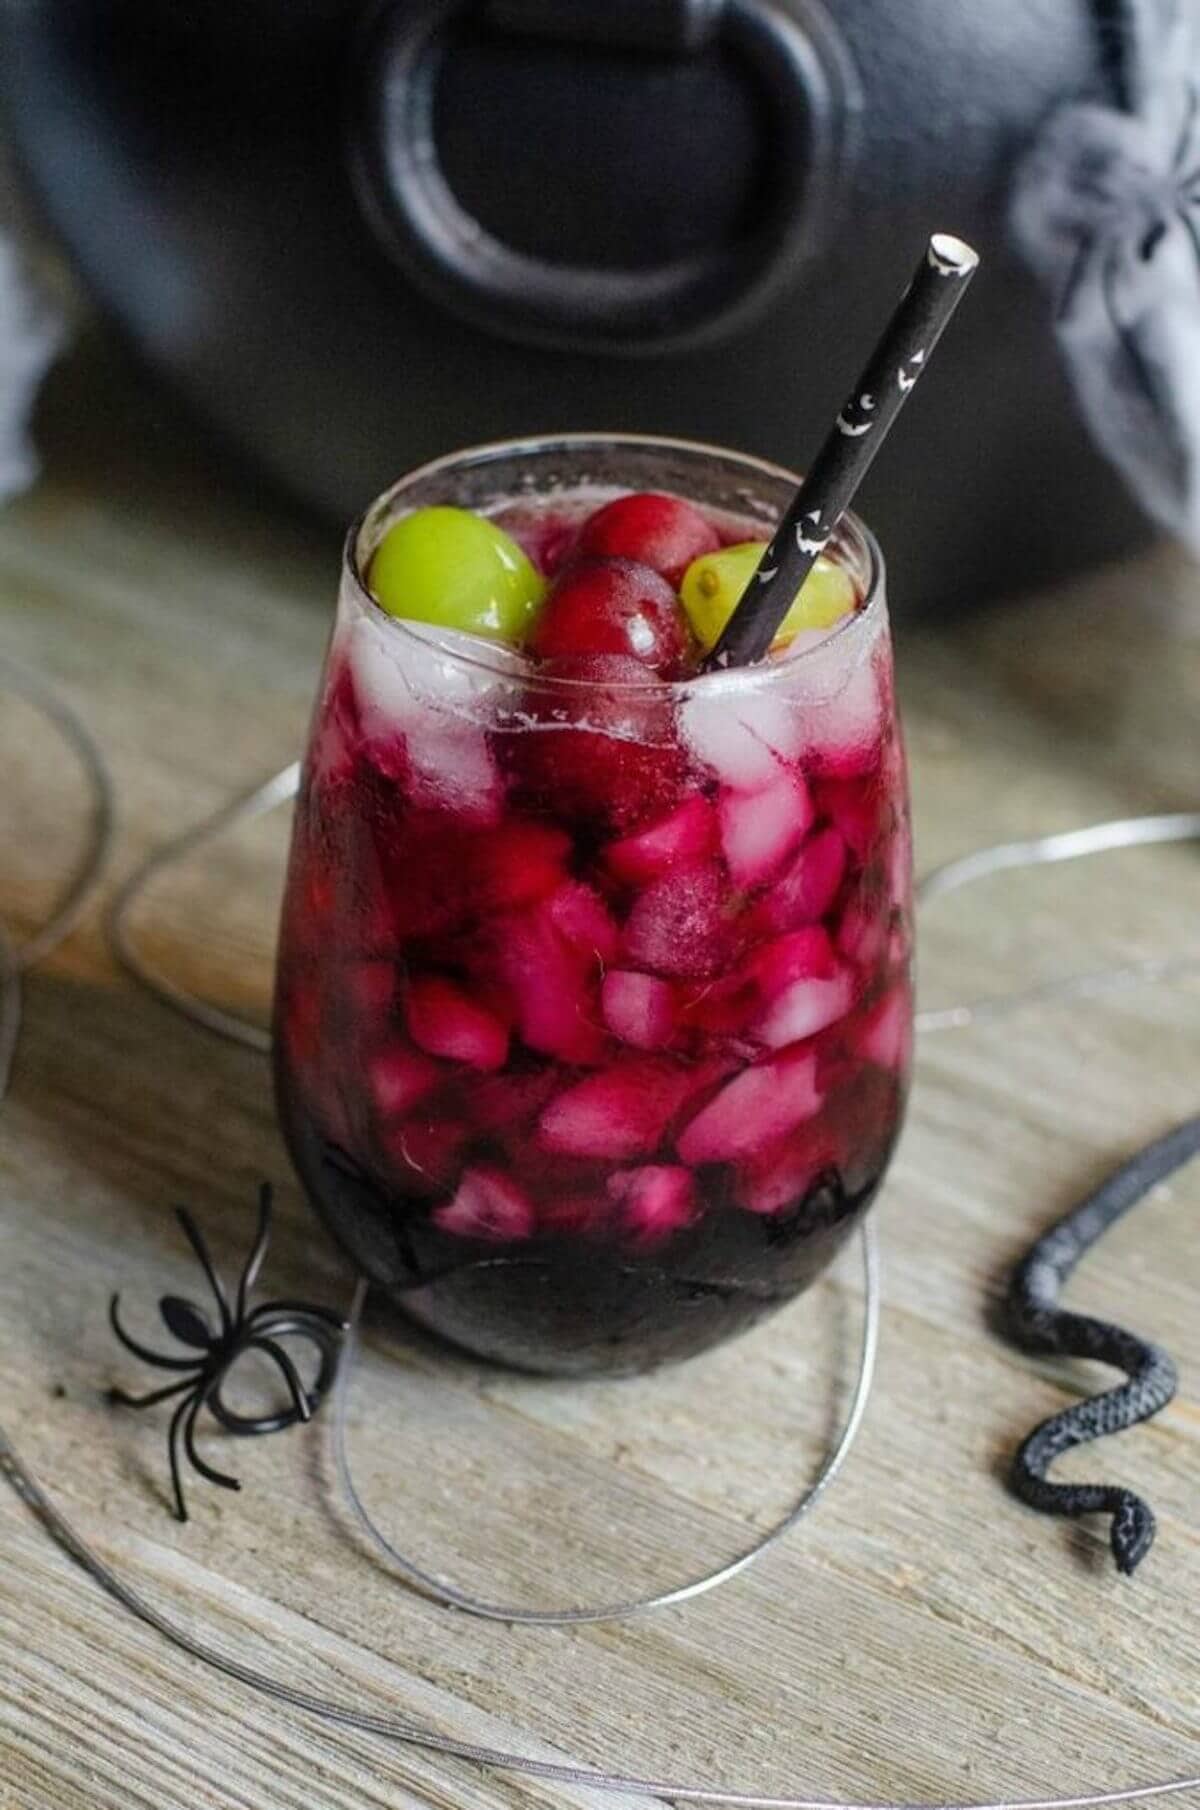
(593, 1016)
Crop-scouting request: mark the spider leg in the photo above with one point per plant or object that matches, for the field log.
(299, 1309)
(121, 1397)
(195, 1238)
(189, 1444)
(291, 1375)
(258, 1251)
(143, 1351)
(181, 1513)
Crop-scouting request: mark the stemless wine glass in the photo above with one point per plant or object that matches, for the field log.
(593, 1017)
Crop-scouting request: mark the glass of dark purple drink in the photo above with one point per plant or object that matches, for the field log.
(593, 1015)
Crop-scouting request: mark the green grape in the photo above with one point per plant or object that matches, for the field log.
(713, 584)
(458, 570)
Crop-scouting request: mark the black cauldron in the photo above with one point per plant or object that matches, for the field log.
(356, 236)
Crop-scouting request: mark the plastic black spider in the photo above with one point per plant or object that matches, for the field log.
(205, 1375)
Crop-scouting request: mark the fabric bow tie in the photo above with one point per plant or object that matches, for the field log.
(1106, 208)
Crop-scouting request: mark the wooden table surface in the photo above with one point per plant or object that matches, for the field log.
(924, 1635)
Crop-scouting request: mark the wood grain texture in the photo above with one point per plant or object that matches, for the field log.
(924, 1635)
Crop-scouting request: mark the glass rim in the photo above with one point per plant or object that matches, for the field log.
(426, 634)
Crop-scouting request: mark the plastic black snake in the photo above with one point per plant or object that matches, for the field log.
(1040, 1324)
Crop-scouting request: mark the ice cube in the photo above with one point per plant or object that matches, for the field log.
(445, 1021)
(780, 1177)
(899, 862)
(638, 1008)
(743, 732)
(807, 888)
(654, 1201)
(899, 947)
(454, 768)
(805, 1008)
(385, 699)
(487, 1204)
(625, 1110)
(398, 1076)
(863, 931)
(677, 926)
(684, 838)
(332, 757)
(580, 915)
(842, 731)
(804, 954)
(753, 1111)
(721, 1007)
(760, 829)
(860, 808)
(428, 687)
(554, 986)
(885, 1034)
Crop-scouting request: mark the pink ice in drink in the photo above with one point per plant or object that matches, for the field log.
(593, 1017)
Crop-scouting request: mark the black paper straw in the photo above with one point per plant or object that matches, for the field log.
(938, 285)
